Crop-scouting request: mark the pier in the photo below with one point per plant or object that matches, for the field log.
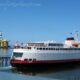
(4, 61)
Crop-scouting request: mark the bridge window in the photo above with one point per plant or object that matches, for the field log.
(17, 54)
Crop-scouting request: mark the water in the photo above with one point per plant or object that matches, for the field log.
(61, 72)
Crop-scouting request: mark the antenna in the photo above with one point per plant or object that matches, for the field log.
(0, 35)
(75, 34)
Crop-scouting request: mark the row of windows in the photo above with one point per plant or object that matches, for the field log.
(58, 48)
(55, 44)
(30, 59)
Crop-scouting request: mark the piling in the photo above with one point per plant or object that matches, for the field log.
(4, 61)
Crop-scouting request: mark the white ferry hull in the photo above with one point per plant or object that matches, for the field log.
(44, 57)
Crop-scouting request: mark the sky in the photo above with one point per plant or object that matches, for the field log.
(39, 20)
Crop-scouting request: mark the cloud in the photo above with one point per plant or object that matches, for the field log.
(5, 4)
(20, 4)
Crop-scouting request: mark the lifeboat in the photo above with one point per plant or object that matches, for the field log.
(76, 44)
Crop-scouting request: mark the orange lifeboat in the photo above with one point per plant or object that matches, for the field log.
(75, 44)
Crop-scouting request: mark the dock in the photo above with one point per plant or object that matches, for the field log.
(4, 60)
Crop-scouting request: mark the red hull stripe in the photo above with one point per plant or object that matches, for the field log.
(43, 61)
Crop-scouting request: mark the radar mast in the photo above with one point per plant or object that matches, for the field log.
(75, 35)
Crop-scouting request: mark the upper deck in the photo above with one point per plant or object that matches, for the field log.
(39, 45)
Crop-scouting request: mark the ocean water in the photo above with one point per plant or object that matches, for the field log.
(60, 72)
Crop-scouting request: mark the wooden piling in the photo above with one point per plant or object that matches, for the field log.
(4, 61)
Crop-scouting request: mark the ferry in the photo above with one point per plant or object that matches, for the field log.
(46, 52)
